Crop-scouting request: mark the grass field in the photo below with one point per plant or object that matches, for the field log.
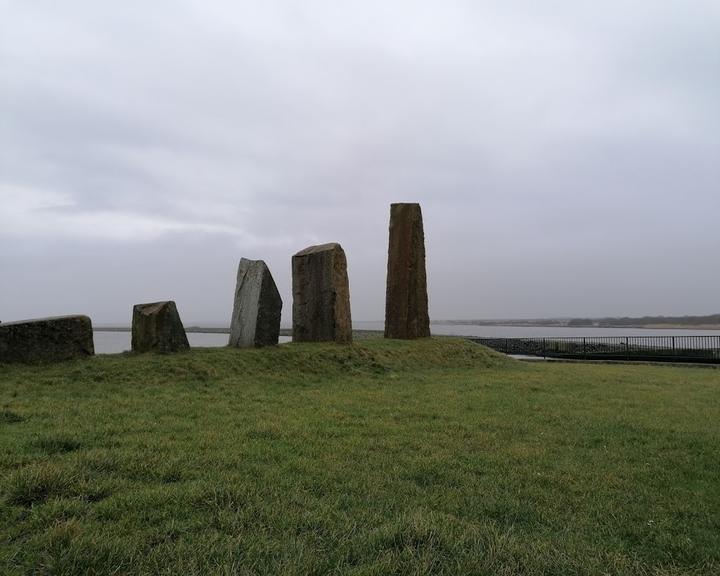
(431, 457)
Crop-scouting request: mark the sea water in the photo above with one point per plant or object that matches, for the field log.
(116, 342)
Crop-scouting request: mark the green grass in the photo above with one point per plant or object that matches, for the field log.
(386, 457)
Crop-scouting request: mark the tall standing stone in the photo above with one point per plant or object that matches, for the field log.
(46, 339)
(321, 295)
(156, 327)
(406, 300)
(258, 306)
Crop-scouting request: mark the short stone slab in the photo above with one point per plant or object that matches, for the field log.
(321, 295)
(46, 339)
(156, 327)
(406, 300)
(256, 313)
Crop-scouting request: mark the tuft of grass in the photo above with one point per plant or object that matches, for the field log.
(56, 444)
(36, 483)
(384, 457)
(42, 481)
(10, 417)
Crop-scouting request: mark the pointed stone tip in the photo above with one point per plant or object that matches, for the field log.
(249, 261)
(405, 210)
(246, 265)
(319, 248)
(75, 317)
(153, 307)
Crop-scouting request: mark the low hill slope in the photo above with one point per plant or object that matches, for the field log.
(372, 356)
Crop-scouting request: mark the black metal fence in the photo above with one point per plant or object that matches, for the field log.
(641, 348)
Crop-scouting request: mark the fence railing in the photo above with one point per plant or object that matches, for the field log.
(641, 348)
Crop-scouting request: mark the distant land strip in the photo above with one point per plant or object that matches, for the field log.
(709, 322)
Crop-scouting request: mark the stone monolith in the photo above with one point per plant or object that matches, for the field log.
(321, 295)
(46, 339)
(156, 327)
(406, 299)
(256, 313)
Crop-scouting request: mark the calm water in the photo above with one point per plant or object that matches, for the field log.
(541, 332)
(115, 342)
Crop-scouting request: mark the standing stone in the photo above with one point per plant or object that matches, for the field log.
(258, 306)
(406, 300)
(156, 327)
(46, 340)
(321, 295)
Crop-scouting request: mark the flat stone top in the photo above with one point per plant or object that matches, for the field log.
(152, 307)
(319, 248)
(48, 319)
(404, 204)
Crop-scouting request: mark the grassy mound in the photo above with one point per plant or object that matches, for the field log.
(288, 363)
(365, 355)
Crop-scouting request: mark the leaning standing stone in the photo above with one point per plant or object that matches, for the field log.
(46, 339)
(406, 300)
(156, 327)
(321, 295)
(258, 307)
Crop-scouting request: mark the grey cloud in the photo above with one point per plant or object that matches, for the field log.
(565, 153)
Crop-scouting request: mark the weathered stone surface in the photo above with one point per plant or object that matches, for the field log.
(406, 301)
(46, 339)
(156, 327)
(321, 295)
(258, 306)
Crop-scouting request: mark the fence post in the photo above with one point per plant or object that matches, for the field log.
(627, 347)
(673, 344)
(543, 350)
(584, 350)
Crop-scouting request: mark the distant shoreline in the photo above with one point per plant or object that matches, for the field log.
(550, 324)
(508, 324)
(707, 322)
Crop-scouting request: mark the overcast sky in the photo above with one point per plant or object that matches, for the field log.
(566, 153)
